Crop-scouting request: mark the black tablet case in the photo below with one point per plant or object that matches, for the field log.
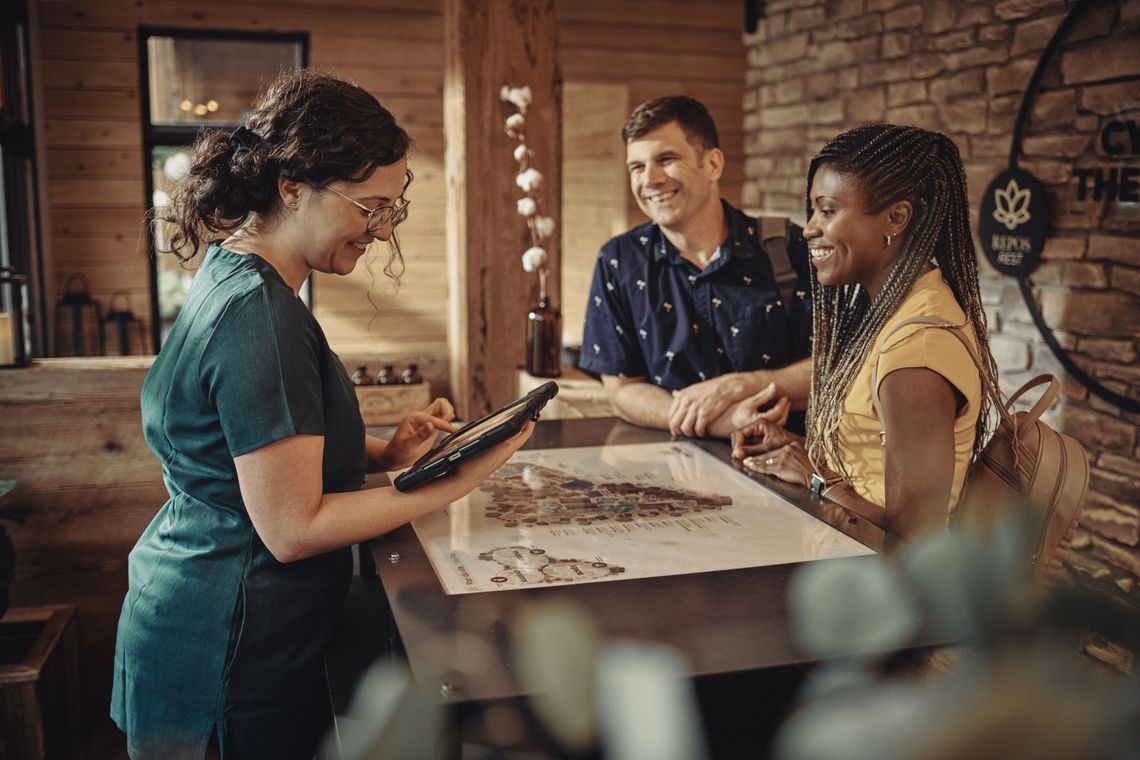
(432, 465)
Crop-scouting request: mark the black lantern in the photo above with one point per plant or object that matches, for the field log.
(13, 329)
(78, 321)
(120, 315)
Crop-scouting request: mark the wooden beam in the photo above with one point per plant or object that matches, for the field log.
(487, 44)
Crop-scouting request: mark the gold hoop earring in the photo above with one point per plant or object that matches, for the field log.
(889, 237)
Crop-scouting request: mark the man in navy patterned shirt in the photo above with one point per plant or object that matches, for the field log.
(685, 323)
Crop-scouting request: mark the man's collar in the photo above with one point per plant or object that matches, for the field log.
(742, 238)
(740, 242)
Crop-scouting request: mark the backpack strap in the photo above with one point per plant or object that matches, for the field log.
(1043, 403)
(773, 237)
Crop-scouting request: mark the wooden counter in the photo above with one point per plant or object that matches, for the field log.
(71, 434)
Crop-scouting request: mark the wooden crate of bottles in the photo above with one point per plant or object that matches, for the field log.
(390, 397)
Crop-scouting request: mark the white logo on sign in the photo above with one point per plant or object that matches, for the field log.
(1011, 206)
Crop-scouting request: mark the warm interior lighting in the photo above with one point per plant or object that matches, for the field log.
(199, 109)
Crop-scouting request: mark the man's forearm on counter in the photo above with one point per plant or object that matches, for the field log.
(639, 402)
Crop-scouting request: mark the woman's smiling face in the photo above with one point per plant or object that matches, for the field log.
(847, 245)
(338, 229)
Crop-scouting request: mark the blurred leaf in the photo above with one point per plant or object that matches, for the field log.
(952, 576)
(1022, 691)
(556, 645)
(873, 724)
(851, 607)
(833, 679)
(647, 705)
(1043, 702)
(389, 718)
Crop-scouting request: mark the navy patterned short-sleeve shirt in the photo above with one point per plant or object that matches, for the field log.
(653, 314)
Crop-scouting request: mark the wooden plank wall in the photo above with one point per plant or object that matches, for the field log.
(89, 65)
(593, 173)
(664, 47)
(616, 55)
(394, 48)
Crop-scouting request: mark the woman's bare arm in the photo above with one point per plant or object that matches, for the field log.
(281, 486)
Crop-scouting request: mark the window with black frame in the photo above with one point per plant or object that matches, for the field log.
(20, 329)
(195, 79)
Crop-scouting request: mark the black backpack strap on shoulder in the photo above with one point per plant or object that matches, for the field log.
(774, 232)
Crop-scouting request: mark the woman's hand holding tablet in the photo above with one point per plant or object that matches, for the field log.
(478, 437)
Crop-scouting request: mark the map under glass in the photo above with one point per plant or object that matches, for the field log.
(591, 514)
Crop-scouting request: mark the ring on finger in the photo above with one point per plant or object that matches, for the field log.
(769, 461)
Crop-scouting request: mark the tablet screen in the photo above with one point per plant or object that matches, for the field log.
(470, 433)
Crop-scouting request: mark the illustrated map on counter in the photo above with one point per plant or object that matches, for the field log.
(600, 514)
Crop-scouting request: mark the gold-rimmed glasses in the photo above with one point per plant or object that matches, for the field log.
(381, 215)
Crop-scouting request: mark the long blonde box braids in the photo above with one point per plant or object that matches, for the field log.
(891, 163)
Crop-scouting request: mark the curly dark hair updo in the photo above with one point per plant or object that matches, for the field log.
(307, 127)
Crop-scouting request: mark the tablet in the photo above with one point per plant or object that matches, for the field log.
(473, 439)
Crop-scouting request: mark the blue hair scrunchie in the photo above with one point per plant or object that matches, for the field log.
(243, 138)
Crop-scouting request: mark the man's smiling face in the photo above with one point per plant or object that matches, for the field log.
(672, 179)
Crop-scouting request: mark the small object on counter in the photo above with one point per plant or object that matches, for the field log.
(361, 377)
(411, 375)
(386, 375)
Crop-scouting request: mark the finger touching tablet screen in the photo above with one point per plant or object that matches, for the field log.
(473, 439)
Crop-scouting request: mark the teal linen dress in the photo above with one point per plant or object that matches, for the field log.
(216, 637)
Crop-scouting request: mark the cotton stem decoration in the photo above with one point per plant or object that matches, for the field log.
(529, 180)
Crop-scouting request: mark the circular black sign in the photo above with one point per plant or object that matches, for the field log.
(1013, 223)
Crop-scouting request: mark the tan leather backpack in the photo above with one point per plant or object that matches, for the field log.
(1026, 463)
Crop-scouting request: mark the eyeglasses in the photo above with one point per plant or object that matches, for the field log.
(381, 215)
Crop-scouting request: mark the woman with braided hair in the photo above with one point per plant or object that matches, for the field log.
(236, 584)
(889, 236)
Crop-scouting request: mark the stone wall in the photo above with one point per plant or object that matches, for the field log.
(816, 69)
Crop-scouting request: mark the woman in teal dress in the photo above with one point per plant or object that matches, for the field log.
(235, 584)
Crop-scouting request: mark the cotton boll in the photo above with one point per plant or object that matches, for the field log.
(522, 152)
(519, 97)
(516, 122)
(544, 226)
(529, 181)
(527, 207)
(534, 258)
